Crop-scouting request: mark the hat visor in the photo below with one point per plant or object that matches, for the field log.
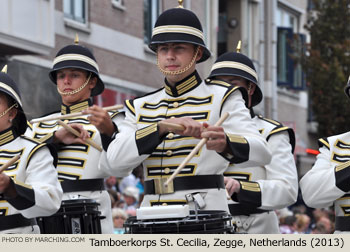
(179, 38)
(98, 89)
(256, 97)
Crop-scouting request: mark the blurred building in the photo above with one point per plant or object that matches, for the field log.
(118, 31)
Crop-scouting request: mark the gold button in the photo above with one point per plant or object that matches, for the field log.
(171, 135)
(175, 104)
(164, 204)
(169, 152)
(167, 170)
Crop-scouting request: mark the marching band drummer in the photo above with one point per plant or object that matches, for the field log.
(276, 184)
(186, 100)
(76, 74)
(29, 187)
(328, 182)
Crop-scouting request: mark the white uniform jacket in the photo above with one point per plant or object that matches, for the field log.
(139, 142)
(78, 163)
(328, 182)
(34, 177)
(268, 187)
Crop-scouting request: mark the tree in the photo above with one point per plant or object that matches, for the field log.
(327, 64)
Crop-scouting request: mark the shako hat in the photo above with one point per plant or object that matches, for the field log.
(77, 56)
(178, 25)
(9, 87)
(237, 64)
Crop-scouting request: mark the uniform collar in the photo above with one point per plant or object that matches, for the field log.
(183, 86)
(7, 136)
(78, 107)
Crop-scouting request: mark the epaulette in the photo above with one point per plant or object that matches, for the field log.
(230, 89)
(323, 142)
(278, 127)
(129, 104)
(115, 113)
(40, 145)
(31, 139)
(274, 122)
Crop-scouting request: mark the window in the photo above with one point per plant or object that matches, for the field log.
(150, 15)
(75, 10)
(289, 46)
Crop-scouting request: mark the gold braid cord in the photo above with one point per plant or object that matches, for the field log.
(7, 110)
(181, 71)
(76, 90)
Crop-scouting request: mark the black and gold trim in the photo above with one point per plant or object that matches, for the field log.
(239, 149)
(3, 210)
(44, 138)
(7, 155)
(342, 145)
(218, 82)
(282, 128)
(147, 139)
(114, 113)
(198, 116)
(240, 176)
(230, 91)
(155, 171)
(36, 148)
(80, 121)
(175, 152)
(249, 194)
(7, 136)
(71, 162)
(339, 158)
(345, 209)
(129, 104)
(324, 142)
(342, 176)
(80, 148)
(170, 104)
(45, 126)
(184, 86)
(25, 196)
(78, 107)
(68, 176)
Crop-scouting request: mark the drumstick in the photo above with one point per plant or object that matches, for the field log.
(171, 126)
(50, 118)
(9, 163)
(76, 133)
(194, 151)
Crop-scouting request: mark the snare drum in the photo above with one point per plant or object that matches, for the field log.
(80, 216)
(205, 222)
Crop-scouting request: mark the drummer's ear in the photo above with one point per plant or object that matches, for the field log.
(12, 114)
(92, 82)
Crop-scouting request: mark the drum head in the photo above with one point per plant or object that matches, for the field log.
(205, 222)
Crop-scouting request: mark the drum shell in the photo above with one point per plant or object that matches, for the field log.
(80, 216)
(205, 222)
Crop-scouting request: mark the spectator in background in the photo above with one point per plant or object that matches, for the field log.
(119, 217)
(301, 226)
(111, 183)
(287, 227)
(131, 198)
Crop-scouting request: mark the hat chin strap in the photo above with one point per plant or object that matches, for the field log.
(76, 90)
(181, 71)
(7, 110)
